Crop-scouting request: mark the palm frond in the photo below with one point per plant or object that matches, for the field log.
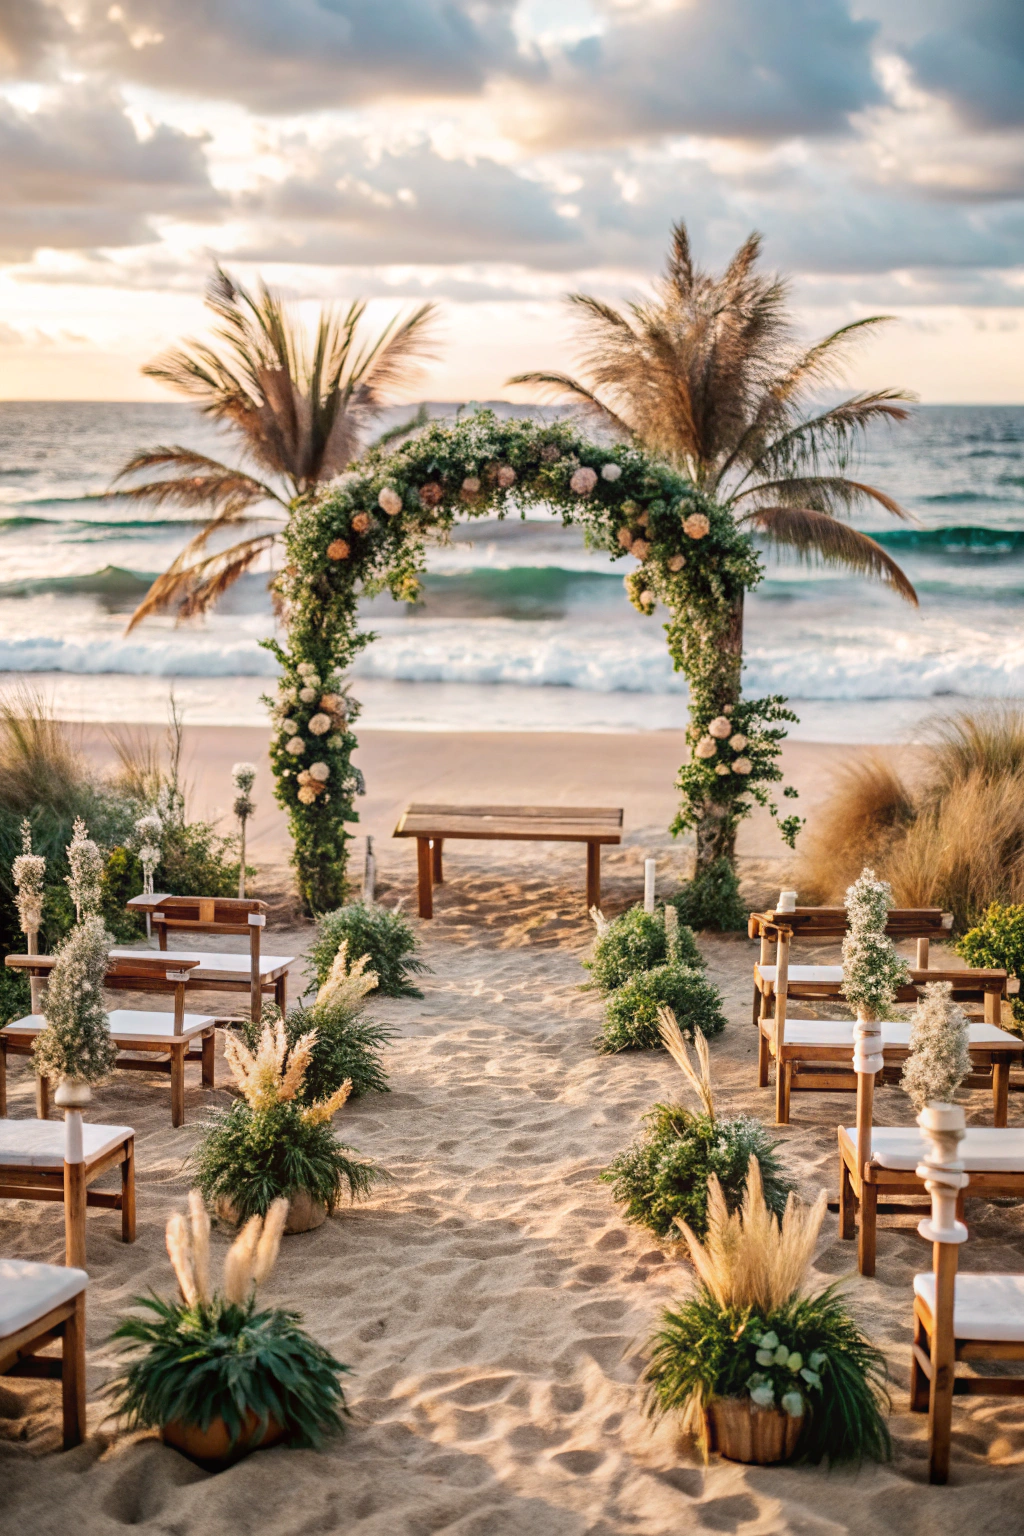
(230, 492)
(820, 538)
(825, 493)
(562, 384)
(826, 437)
(194, 588)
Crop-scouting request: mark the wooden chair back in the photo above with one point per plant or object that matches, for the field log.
(830, 923)
(125, 973)
(210, 914)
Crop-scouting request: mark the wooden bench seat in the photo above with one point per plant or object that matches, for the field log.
(32, 1168)
(430, 825)
(259, 975)
(41, 1304)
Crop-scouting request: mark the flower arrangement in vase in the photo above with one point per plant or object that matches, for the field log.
(872, 970)
(216, 1376)
(760, 1366)
(270, 1145)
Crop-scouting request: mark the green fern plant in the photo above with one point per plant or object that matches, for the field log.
(385, 938)
(637, 941)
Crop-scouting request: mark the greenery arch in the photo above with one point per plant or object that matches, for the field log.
(369, 533)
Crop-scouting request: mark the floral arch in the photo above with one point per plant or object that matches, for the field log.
(369, 533)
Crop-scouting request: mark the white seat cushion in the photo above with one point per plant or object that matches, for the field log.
(984, 1149)
(29, 1290)
(895, 1033)
(126, 1025)
(831, 974)
(984, 1306)
(40, 1143)
(215, 966)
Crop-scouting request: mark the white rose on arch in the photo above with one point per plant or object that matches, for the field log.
(706, 747)
(720, 727)
(389, 501)
(611, 472)
(296, 746)
(742, 765)
(737, 742)
(320, 725)
(306, 795)
(722, 769)
(307, 695)
(320, 772)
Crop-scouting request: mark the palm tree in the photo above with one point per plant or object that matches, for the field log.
(300, 412)
(705, 374)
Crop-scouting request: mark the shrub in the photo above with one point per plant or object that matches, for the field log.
(346, 1049)
(385, 937)
(664, 1174)
(636, 941)
(15, 995)
(998, 943)
(631, 1012)
(712, 899)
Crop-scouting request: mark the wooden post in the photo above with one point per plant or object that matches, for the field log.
(209, 1062)
(369, 873)
(650, 877)
(178, 1083)
(3, 1077)
(36, 985)
(944, 1179)
(281, 993)
(424, 876)
(128, 1192)
(993, 1006)
(437, 867)
(42, 1097)
(256, 925)
(781, 998)
(943, 1357)
(74, 1214)
(922, 954)
(865, 1192)
(1000, 1092)
(72, 1375)
(593, 876)
(847, 1202)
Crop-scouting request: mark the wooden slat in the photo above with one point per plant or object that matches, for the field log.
(557, 812)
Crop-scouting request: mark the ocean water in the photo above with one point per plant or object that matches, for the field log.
(520, 627)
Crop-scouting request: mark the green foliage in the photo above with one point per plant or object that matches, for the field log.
(76, 1042)
(122, 879)
(196, 861)
(15, 995)
(631, 1012)
(344, 542)
(702, 1350)
(663, 1176)
(712, 899)
(386, 937)
(203, 1362)
(635, 941)
(250, 1157)
(997, 943)
(347, 1046)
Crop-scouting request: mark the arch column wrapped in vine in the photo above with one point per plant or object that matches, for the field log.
(370, 532)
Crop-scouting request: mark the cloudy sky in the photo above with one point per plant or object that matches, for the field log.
(492, 154)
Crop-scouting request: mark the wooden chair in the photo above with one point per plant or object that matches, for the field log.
(33, 1167)
(878, 1170)
(813, 1055)
(968, 1317)
(39, 1305)
(258, 975)
(171, 1036)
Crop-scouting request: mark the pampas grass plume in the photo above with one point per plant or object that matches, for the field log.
(672, 1038)
(200, 1245)
(179, 1253)
(270, 1239)
(240, 1262)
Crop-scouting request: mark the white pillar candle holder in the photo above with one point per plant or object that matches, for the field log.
(650, 872)
(72, 1095)
(786, 901)
(942, 1171)
(867, 1043)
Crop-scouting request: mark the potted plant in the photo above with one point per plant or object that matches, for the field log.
(662, 1179)
(638, 941)
(760, 1366)
(346, 1046)
(216, 1376)
(270, 1145)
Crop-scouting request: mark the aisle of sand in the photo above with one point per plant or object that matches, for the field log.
(490, 1300)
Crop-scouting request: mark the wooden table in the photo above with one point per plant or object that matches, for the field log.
(430, 825)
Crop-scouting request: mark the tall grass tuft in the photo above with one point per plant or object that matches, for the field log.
(951, 837)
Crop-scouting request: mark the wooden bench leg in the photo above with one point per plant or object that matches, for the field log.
(437, 868)
(1000, 1092)
(74, 1215)
(763, 1058)
(3, 1078)
(177, 1085)
(42, 1098)
(128, 1193)
(209, 1068)
(993, 1007)
(593, 876)
(847, 1203)
(943, 1358)
(281, 993)
(72, 1375)
(756, 1016)
(868, 1235)
(920, 1389)
(783, 1083)
(424, 866)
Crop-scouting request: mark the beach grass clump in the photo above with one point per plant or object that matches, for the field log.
(948, 835)
(712, 900)
(269, 1144)
(385, 938)
(637, 941)
(754, 1329)
(214, 1356)
(631, 1020)
(662, 1179)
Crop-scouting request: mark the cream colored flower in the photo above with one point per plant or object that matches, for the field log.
(722, 769)
(677, 562)
(362, 522)
(706, 747)
(648, 598)
(643, 518)
(289, 727)
(333, 703)
(320, 724)
(737, 742)
(720, 727)
(742, 765)
(296, 746)
(320, 772)
(307, 794)
(625, 537)
(583, 481)
(389, 501)
(307, 695)
(506, 476)
(640, 549)
(471, 485)
(696, 526)
(338, 549)
(611, 472)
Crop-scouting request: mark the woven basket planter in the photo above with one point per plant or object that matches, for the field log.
(304, 1213)
(740, 1431)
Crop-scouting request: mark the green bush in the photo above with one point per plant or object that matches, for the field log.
(370, 930)
(196, 861)
(347, 1046)
(631, 1012)
(636, 941)
(997, 943)
(712, 899)
(664, 1174)
(15, 995)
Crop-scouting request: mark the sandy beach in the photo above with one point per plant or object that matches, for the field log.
(490, 1301)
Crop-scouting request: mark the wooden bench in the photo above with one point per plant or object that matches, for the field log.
(32, 1167)
(41, 1304)
(251, 972)
(430, 825)
(169, 1035)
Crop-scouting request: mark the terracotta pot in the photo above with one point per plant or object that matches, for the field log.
(304, 1213)
(741, 1431)
(210, 1447)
